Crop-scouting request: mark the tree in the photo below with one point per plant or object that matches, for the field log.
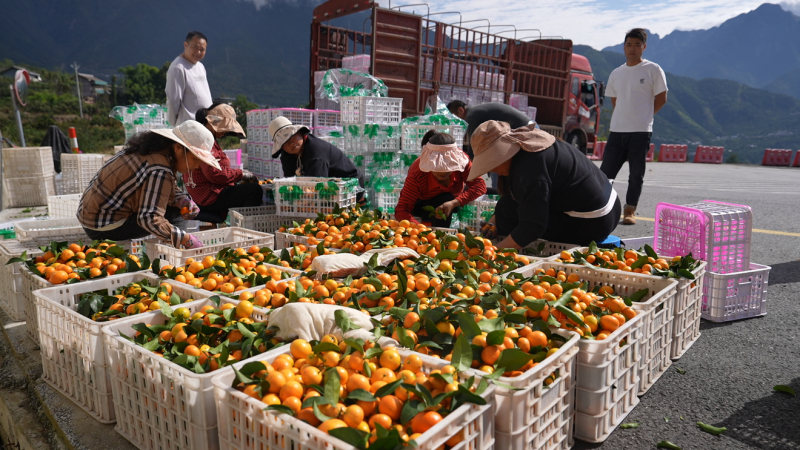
(241, 105)
(144, 84)
(733, 159)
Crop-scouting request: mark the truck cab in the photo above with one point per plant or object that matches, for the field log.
(583, 107)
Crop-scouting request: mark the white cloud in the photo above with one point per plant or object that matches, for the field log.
(793, 6)
(593, 22)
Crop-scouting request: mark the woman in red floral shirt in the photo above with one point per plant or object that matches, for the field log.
(216, 190)
(438, 178)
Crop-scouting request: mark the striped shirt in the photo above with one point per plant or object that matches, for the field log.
(421, 185)
(128, 185)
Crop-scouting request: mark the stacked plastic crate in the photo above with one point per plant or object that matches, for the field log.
(28, 176)
(732, 287)
(357, 63)
(256, 142)
(137, 118)
(328, 126)
(78, 170)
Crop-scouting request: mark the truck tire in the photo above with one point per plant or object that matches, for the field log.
(576, 140)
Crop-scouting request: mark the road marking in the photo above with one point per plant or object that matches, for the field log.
(755, 230)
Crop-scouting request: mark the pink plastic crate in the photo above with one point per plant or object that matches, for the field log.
(717, 232)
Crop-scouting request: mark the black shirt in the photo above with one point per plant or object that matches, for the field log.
(320, 159)
(478, 114)
(555, 180)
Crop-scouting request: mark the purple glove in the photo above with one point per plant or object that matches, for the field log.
(192, 242)
(189, 209)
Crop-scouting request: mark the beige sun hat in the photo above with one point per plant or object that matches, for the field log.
(280, 130)
(197, 138)
(222, 119)
(494, 143)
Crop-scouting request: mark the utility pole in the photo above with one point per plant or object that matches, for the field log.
(75, 66)
(18, 116)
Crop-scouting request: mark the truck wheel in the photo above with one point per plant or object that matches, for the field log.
(576, 140)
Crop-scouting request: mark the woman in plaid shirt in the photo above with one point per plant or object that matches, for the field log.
(136, 194)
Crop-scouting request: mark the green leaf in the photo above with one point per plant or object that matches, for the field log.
(489, 325)
(166, 310)
(361, 394)
(240, 378)
(680, 371)
(650, 252)
(332, 385)
(352, 436)
(404, 339)
(640, 262)
(388, 389)
(784, 389)
(280, 408)
(716, 431)
(321, 417)
(626, 426)
(468, 326)
(535, 305)
(668, 445)
(592, 248)
(686, 274)
(373, 352)
(496, 337)
(462, 354)
(447, 254)
(465, 396)
(512, 359)
(411, 409)
(639, 295)
(343, 321)
(572, 315)
(325, 347)
(311, 401)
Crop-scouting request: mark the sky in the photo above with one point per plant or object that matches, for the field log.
(597, 23)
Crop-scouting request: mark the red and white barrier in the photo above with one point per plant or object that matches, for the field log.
(777, 157)
(73, 140)
(673, 153)
(651, 153)
(709, 155)
(599, 149)
(796, 162)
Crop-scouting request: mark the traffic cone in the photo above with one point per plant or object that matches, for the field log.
(73, 140)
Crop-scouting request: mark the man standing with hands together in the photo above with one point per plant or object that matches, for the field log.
(187, 86)
(638, 90)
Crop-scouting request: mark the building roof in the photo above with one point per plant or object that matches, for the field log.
(35, 76)
(93, 79)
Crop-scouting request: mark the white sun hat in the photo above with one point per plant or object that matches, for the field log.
(197, 138)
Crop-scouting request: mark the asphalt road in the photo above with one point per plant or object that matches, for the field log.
(731, 370)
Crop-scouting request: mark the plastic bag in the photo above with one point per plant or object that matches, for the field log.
(337, 83)
(442, 116)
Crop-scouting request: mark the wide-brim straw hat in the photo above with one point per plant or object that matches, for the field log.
(494, 143)
(222, 119)
(280, 130)
(194, 136)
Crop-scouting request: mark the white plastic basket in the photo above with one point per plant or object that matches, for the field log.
(734, 296)
(63, 206)
(26, 162)
(12, 298)
(260, 218)
(308, 196)
(472, 213)
(327, 118)
(234, 156)
(53, 228)
(244, 425)
(158, 404)
(597, 428)
(287, 240)
(77, 170)
(73, 352)
(532, 404)
(297, 116)
(213, 241)
(372, 110)
(33, 191)
(412, 135)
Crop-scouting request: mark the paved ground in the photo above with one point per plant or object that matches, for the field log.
(732, 368)
(729, 372)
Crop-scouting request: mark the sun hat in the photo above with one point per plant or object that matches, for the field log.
(494, 143)
(442, 158)
(195, 137)
(222, 119)
(280, 130)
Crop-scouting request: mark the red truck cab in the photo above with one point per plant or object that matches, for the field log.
(583, 108)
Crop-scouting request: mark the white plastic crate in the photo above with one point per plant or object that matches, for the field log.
(234, 156)
(308, 196)
(412, 135)
(658, 311)
(287, 240)
(371, 138)
(372, 110)
(78, 170)
(297, 116)
(549, 251)
(273, 168)
(471, 214)
(72, 346)
(63, 206)
(734, 296)
(158, 404)
(384, 200)
(22, 192)
(213, 241)
(327, 118)
(597, 428)
(531, 405)
(552, 432)
(244, 425)
(26, 162)
(253, 118)
(600, 402)
(52, 228)
(12, 298)
(260, 218)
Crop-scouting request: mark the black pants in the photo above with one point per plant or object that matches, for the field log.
(561, 227)
(435, 202)
(131, 229)
(236, 196)
(632, 147)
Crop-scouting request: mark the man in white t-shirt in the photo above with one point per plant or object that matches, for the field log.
(638, 90)
(187, 86)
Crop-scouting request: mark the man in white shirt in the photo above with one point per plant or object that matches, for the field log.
(638, 90)
(187, 86)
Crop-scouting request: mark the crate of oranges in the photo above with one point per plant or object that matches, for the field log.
(386, 398)
(213, 241)
(71, 318)
(162, 363)
(68, 263)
